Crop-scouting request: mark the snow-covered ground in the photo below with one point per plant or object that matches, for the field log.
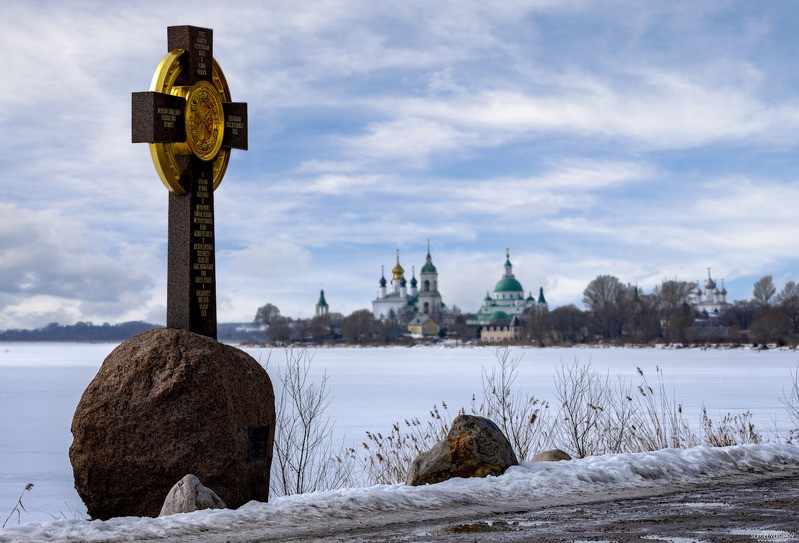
(40, 385)
(521, 486)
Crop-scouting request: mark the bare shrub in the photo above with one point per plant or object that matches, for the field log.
(659, 419)
(386, 459)
(304, 457)
(732, 430)
(619, 419)
(582, 396)
(790, 400)
(599, 418)
(523, 419)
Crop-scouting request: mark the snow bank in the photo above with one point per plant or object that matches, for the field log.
(528, 483)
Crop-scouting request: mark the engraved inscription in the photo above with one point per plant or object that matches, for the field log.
(202, 219)
(202, 47)
(234, 123)
(168, 116)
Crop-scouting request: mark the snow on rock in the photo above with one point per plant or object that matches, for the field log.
(526, 483)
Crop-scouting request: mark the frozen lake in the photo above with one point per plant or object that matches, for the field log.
(41, 383)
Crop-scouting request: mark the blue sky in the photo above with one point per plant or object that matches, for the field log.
(643, 140)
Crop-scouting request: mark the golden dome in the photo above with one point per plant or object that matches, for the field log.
(398, 271)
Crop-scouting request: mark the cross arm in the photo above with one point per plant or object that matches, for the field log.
(235, 134)
(157, 118)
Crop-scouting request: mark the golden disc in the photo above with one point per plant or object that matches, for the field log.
(165, 155)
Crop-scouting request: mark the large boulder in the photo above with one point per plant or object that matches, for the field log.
(474, 447)
(166, 403)
(188, 495)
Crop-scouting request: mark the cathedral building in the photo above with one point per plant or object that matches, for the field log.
(711, 302)
(398, 302)
(508, 300)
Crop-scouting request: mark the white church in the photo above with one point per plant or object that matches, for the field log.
(400, 302)
(711, 302)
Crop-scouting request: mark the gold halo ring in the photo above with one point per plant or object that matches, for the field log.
(170, 158)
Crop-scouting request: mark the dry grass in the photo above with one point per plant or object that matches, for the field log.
(19, 507)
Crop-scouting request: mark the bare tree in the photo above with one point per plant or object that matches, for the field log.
(304, 458)
(675, 314)
(788, 300)
(770, 327)
(320, 328)
(740, 314)
(606, 299)
(279, 330)
(266, 314)
(644, 319)
(672, 294)
(359, 327)
(538, 325)
(569, 323)
(764, 290)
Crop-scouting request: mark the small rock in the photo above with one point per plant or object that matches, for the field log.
(474, 447)
(552, 455)
(189, 495)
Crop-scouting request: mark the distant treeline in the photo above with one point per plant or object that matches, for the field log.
(87, 331)
(81, 331)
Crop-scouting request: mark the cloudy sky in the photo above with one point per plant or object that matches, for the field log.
(643, 140)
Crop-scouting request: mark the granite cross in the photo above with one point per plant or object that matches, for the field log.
(191, 124)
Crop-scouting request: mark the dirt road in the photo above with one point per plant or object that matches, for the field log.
(743, 509)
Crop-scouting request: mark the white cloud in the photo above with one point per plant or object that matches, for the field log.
(61, 268)
(409, 141)
(337, 184)
(650, 108)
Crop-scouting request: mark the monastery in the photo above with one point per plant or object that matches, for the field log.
(712, 302)
(398, 302)
(508, 299)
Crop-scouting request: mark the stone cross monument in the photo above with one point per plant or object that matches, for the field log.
(174, 401)
(191, 124)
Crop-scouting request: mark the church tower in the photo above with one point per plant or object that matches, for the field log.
(429, 301)
(321, 305)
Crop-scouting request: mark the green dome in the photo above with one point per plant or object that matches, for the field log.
(498, 315)
(429, 268)
(508, 284)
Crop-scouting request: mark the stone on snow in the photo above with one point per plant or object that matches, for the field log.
(552, 455)
(189, 494)
(474, 447)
